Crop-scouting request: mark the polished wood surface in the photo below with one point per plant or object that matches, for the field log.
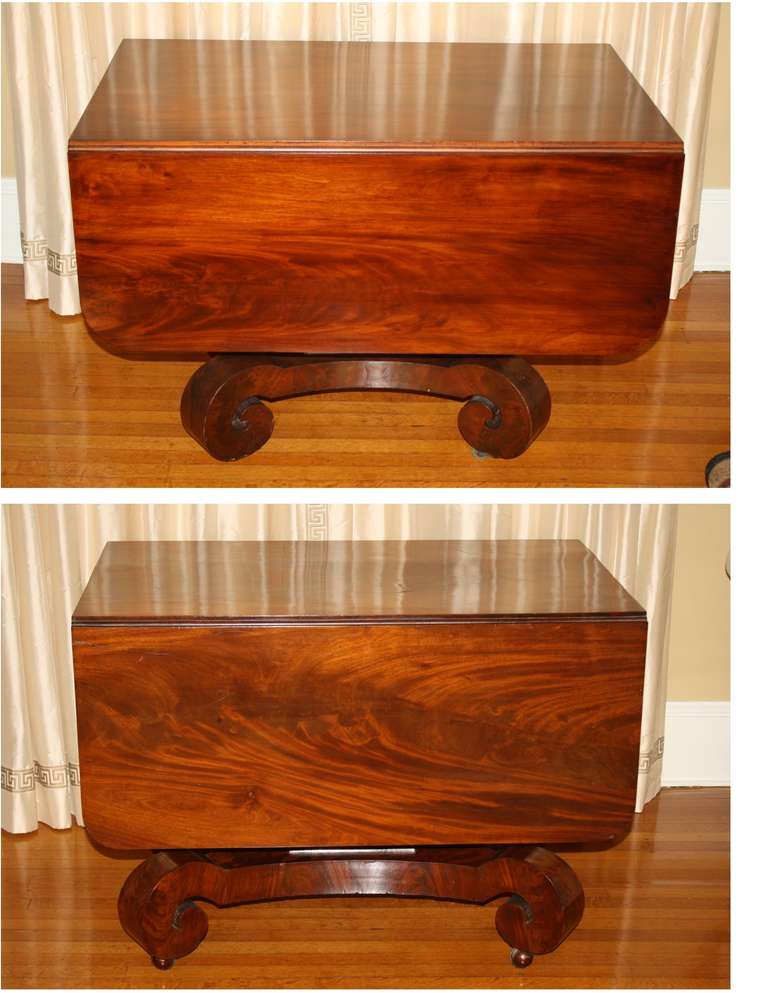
(380, 94)
(76, 416)
(545, 253)
(656, 916)
(384, 198)
(275, 581)
(158, 910)
(506, 407)
(320, 735)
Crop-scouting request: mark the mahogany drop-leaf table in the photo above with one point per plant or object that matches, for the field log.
(425, 719)
(322, 216)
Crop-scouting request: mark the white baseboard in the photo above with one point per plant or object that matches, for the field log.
(697, 743)
(11, 245)
(713, 248)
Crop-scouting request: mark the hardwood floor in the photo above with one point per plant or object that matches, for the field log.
(75, 416)
(656, 917)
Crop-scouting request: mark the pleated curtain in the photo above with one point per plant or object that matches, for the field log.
(56, 54)
(50, 551)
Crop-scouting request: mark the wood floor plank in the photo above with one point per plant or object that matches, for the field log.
(656, 917)
(74, 415)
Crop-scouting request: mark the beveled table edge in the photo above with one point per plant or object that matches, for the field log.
(324, 620)
(362, 147)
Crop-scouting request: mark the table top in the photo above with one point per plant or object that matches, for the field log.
(200, 582)
(410, 95)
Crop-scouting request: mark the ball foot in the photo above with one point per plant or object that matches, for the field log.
(163, 964)
(520, 959)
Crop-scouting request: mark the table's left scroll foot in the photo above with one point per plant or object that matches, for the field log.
(155, 908)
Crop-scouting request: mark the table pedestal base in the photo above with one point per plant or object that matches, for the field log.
(506, 406)
(545, 903)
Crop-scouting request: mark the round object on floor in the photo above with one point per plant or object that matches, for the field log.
(718, 471)
(520, 959)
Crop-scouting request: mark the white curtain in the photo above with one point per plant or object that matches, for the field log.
(50, 551)
(56, 54)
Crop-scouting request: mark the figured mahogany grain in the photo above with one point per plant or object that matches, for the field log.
(322, 735)
(325, 694)
(385, 198)
(283, 581)
(525, 253)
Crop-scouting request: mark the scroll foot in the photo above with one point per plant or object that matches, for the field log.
(546, 905)
(545, 898)
(155, 908)
(506, 402)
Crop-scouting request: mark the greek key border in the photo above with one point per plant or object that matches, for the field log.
(37, 250)
(654, 754)
(360, 22)
(54, 777)
(683, 247)
(62, 265)
(317, 521)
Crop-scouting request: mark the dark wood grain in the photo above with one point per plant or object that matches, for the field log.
(317, 735)
(506, 405)
(478, 253)
(158, 911)
(241, 582)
